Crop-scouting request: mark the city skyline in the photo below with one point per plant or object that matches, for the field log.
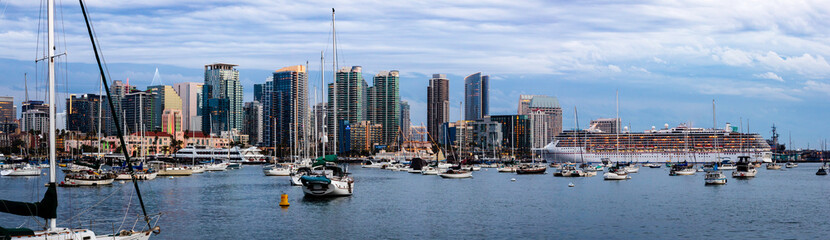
(764, 63)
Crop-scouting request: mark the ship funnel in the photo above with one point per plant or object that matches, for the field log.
(728, 127)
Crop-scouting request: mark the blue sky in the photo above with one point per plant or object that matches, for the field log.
(760, 60)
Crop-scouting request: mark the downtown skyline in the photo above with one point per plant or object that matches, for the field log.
(763, 62)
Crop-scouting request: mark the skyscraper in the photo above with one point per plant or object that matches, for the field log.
(350, 102)
(118, 90)
(191, 96)
(253, 126)
(405, 121)
(438, 104)
(258, 91)
(82, 113)
(137, 108)
(546, 117)
(166, 98)
(222, 94)
(7, 113)
(384, 106)
(476, 96)
(289, 108)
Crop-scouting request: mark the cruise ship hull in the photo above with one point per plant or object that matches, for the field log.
(578, 154)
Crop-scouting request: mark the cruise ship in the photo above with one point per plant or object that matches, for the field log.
(249, 155)
(676, 144)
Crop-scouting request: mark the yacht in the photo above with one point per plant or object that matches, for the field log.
(744, 169)
(456, 173)
(251, 155)
(715, 177)
(773, 166)
(632, 168)
(87, 178)
(327, 180)
(727, 165)
(569, 170)
(531, 169)
(791, 164)
(506, 168)
(682, 169)
(21, 170)
(216, 166)
(277, 170)
(429, 170)
(616, 173)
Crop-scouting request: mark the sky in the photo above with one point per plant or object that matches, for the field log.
(762, 62)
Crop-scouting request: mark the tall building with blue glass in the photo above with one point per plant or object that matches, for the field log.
(476, 96)
(222, 96)
(288, 109)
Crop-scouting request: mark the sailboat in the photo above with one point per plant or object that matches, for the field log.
(433, 169)
(47, 207)
(823, 169)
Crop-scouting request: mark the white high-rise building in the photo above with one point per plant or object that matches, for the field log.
(191, 96)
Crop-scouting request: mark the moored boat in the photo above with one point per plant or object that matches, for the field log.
(744, 169)
(531, 169)
(456, 173)
(327, 181)
(21, 170)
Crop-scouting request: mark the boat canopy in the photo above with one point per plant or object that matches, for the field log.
(313, 179)
(7, 233)
(323, 160)
(46, 208)
(417, 163)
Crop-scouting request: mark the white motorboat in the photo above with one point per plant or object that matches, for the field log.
(632, 169)
(456, 173)
(277, 170)
(24, 170)
(197, 169)
(412, 170)
(139, 175)
(429, 170)
(327, 181)
(727, 165)
(715, 178)
(744, 169)
(373, 164)
(506, 168)
(216, 166)
(791, 165)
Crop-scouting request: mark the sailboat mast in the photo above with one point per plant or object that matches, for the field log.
(50, 15)
(324, 134)
(617, 125)
(100, 103)
(334, 80)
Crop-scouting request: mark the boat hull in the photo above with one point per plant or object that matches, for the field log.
(277, 171)
(614, 176)
(87, 182)
(21, 172)
(456, 175)
(175, 172)
(331, 189)
(745, 174)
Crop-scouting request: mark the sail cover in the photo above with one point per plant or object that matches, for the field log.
(323, 160)
(46, 208)
(417, 163)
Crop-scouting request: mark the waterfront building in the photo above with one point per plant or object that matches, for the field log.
(82, 113)
(35, 121)
(606, 125)
(171, 121)
(405, 121)
(252, 112)
(288, 109)
(191, 95)
(8, 113)
(487, 136)
(384, 106)
(515, 134)
(365, 136)
(457, 133)
(351, 98)
(476, 96)
(201, 140)
(222, 99)
(438, 103)
(546, 115)
(137, 109)
(166, 98)
(118, 90)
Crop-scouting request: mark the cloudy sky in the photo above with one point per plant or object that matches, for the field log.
(759, 60)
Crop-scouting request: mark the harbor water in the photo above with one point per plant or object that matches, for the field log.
(243, 204)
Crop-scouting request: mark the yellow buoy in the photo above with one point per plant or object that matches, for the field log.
(284, 200)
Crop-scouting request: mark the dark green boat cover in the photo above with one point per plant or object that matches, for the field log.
(47, 208)
(323, 160)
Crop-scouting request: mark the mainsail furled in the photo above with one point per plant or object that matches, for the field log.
(46, 208)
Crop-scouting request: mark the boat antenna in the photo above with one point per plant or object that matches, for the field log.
(114, 116)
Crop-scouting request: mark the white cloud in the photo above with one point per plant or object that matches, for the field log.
(769, 75)
(821, 87)
(614, 68)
